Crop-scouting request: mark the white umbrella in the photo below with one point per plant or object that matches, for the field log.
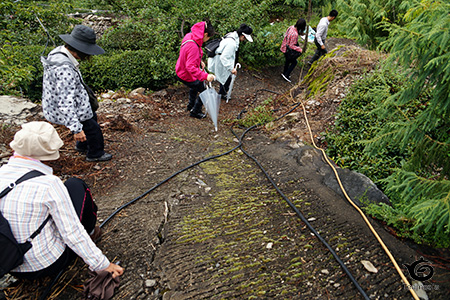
(233, 77)
(211, 101)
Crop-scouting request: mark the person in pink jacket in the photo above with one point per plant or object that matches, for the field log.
(190, 68)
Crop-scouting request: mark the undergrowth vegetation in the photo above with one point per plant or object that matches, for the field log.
(260, 115)
(393, 126)
(142, 48)
(357, 125)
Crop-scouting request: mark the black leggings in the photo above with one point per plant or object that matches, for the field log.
(94, 144)
(87, 211)
(195, 88)
(289, 65)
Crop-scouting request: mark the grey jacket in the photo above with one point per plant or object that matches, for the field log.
(65, 100)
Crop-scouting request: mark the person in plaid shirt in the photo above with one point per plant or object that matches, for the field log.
(290, 47)
(71, 229)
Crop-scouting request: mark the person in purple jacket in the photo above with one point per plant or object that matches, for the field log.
(190, 68)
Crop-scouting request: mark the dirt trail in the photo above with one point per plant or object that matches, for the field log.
(219, 230)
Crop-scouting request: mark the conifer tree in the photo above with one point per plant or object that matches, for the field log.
(420, 49)
(360, 19)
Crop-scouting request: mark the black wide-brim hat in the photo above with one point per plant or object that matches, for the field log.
(83, 39)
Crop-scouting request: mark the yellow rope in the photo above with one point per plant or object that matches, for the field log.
(405, 280)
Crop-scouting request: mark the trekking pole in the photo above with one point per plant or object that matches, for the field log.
(48, 35)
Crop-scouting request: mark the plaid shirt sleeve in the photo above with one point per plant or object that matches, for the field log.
(28, 205)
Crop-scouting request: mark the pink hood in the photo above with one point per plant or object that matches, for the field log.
(189, 61)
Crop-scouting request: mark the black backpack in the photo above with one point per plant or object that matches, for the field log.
(11, 252)
(212, 46)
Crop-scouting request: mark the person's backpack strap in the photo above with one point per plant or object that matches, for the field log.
(186, 41)
(11, 252)
(29, 175)
(226, 36)
(60, 52)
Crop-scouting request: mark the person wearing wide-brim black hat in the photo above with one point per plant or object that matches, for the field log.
(83, 39)
(66, 99)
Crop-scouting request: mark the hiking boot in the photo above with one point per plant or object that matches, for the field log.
(286, 78)
(104, 157)
(189, 107)
(197, 115)
(80, 150)
(96, 234)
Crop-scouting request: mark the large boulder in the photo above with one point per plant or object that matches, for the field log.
(15, 110)
(358, 187)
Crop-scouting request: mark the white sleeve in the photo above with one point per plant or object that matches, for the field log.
(72, 231)
(228, 55)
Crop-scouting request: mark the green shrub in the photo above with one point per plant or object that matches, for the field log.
(22, 40)
(265, 49)
(361, 19)
(355, 124)
(419, 199)
(129, 69)
(130, 35)
(259, 115)
(19, 21)
(21, 70)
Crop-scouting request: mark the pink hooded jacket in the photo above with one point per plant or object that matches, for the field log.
(189, 61)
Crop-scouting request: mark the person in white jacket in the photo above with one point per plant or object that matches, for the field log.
(224, 62)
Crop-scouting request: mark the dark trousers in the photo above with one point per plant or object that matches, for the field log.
(94, 143)
(195, 88)
(289, 65)
(319, 52)
(223, 90)
(86, 211)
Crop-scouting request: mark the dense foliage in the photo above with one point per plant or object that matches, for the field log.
(397, 121)
(142, 49)
(361, 19)
(21, 36)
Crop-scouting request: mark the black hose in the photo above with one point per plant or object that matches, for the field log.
(302, 217)
(167, 179)
(52, 283)
(299, 214)
(239, 146)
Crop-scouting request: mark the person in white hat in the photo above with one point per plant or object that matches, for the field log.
(65, 96)
(224, 62)
(71, 228)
